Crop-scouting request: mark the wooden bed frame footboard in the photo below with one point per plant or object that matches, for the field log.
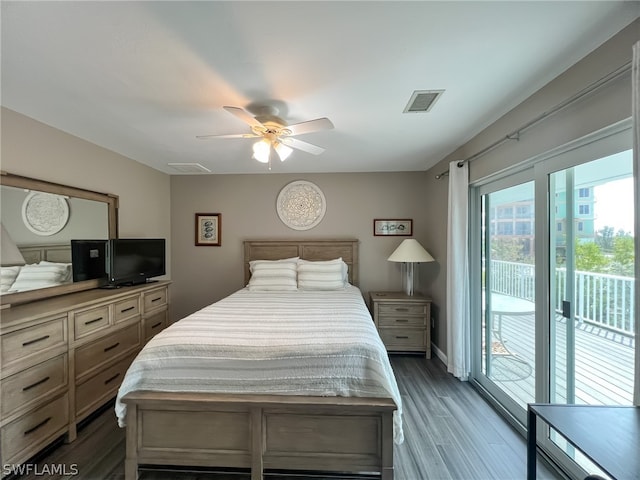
(258, 432)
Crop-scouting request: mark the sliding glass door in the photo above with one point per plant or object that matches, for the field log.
(507, 340)
(591, 283)
(553, 264)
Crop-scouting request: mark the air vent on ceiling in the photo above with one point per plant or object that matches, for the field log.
(422, 101)
(189, 168)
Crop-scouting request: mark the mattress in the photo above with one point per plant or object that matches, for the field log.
(316, 343)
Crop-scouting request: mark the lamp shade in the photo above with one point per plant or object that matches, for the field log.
(9, 252)
(410, 251)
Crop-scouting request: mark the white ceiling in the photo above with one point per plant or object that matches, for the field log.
(144, 78)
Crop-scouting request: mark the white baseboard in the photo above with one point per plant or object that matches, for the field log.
(439, 353)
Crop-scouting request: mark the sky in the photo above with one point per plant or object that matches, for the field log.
(614, 205)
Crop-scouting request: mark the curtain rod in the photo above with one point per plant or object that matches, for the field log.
(515, 135)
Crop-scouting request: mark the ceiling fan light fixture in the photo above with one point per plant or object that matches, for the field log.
(262, 150)
(282, 150)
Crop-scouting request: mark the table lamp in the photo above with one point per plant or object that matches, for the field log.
(9, 252)
(410, 252)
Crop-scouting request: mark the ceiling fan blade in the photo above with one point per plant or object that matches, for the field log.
(235, 135)
(310, 126)
(300, 145)
(243, 115)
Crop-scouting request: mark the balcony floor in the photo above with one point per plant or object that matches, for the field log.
(604, 362)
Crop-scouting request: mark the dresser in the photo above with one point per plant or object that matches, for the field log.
(64, 357)
(403, 321)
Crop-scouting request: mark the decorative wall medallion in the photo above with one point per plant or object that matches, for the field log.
(44, 213)
(301, 205)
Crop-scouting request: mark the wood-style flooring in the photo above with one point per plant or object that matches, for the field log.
(451, 433)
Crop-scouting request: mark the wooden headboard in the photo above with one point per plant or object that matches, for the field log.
(54, 252)
(313, 250)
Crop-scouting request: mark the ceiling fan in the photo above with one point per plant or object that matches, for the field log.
(274, 133)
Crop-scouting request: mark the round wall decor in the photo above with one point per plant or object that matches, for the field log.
(301, 205)
(44, 213)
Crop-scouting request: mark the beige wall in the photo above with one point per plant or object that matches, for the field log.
(607, 106)
(33, 149)
(247, 203)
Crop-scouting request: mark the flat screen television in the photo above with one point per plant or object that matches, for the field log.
(89, 260)
(135, 260)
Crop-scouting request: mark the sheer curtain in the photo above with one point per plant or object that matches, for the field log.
(458, 315)
(635, 100)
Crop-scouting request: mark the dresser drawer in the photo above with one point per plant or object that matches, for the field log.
(26, 347)
(402, 338)
(88, 321)
(127, 308)
(93, 354)
(154, 324)
(34, 430)
(401, 309)
(155, 299)
(25, 388)
(397, 321)
(101, 387)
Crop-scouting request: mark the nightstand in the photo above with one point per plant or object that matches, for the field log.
(403, 321)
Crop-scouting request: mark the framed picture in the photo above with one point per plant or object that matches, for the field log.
(393, 227)
(208, 229)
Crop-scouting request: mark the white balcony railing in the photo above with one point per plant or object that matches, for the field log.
(601, 299)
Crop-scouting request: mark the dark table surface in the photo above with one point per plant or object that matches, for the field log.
(608, 435)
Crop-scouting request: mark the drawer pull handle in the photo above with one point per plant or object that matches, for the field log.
(156, 299)
(31, 342)
(41, 424)
(33, 385)
(112, 347)
(401, 309)
(126, 309)
(401, 320)
(111, 379)
(401, 337)
(156, 325)
(89, 322)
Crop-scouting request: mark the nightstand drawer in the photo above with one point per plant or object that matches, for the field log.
(88, 321)
(402, 337)
(402, 309)
(403, 321)
(397, 321)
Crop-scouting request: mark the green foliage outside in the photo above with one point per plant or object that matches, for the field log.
(611, 253)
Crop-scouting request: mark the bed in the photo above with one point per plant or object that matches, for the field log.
(45, 265)
(209, 406)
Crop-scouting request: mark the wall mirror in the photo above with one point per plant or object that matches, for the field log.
(39, 220)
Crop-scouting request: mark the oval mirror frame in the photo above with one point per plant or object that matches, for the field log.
(33, 184)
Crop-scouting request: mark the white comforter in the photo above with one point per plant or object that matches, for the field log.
(321, 343)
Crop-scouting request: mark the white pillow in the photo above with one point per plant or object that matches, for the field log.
(66, 270)
(253, 263)
(322, 275)
(7, 277)
(276, 275)
(42, 275)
